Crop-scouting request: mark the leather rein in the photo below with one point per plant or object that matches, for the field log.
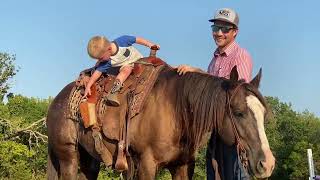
(242, 153)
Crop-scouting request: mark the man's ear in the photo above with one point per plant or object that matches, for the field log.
(235, 33)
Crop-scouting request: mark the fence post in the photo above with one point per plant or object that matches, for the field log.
(311, 166)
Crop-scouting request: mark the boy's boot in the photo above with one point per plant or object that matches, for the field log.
(121, 163)
(112, 97)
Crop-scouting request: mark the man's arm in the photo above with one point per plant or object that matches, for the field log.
(244, 66)
(183, 69)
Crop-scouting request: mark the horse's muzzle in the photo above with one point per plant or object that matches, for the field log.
(265, 166)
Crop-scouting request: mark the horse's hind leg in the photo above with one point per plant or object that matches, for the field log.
(89, 166)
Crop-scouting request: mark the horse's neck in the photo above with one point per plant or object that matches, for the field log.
(200, 103)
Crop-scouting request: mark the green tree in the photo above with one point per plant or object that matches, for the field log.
(15, 158)
(290, 134)
(29, 109)
(7, 71)
(22, 125)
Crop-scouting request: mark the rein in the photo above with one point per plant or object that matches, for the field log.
(242, 153)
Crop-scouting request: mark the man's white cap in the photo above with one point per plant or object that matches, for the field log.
(226, 15)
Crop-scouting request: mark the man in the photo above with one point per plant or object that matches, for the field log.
(227, 55)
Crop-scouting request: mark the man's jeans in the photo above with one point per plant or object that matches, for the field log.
(232, 169)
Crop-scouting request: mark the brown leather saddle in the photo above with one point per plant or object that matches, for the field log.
(132, 96)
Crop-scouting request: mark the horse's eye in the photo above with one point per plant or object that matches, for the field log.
(238, 114)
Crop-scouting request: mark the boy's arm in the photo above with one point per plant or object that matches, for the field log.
(95, 76)
(142, 41)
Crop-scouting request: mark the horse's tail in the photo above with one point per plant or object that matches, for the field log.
(52, 165)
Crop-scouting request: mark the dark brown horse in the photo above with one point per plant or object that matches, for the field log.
(177, 116)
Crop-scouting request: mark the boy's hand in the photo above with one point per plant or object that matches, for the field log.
(87, 92)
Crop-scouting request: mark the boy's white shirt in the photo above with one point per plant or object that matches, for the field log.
(120, 59)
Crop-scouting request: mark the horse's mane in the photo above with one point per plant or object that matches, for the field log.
(200, 102)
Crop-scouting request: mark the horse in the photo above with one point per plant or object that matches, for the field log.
(177, 117)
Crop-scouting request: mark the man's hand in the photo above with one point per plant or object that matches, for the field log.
(183, 69)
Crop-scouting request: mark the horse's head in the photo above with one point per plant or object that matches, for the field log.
(244, 117)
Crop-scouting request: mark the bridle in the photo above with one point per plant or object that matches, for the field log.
(242, 153)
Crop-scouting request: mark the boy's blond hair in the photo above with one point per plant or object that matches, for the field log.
(97, 46)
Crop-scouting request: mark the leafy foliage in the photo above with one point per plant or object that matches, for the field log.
(30, 109)
(21, 156)
(7, 71)
(15, 159)
(290, 134)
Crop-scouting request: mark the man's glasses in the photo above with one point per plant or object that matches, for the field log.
(224, 29)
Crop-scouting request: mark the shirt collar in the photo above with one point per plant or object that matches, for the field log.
(231, 48)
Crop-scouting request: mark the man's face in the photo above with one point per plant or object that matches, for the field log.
(223, 33)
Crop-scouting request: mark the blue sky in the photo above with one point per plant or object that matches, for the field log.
(49, 39)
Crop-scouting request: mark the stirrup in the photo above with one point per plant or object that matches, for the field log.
(121, 163)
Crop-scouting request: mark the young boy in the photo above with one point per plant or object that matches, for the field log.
(118, 53)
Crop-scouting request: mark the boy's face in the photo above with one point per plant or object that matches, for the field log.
(106, 55)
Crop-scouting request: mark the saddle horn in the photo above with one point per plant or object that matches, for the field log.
(153, 51)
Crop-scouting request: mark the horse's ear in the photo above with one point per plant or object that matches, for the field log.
(256, 80)
(234, 76)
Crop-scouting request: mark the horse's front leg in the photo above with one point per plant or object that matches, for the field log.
(183, 172)
(147, 167)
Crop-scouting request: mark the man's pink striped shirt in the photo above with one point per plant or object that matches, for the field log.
(222, 63)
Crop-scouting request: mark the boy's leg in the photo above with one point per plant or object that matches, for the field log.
(124, 73)
(112, 97)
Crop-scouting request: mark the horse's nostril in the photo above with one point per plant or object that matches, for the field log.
(261, 167)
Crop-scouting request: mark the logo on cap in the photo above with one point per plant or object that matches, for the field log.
(224, 12)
